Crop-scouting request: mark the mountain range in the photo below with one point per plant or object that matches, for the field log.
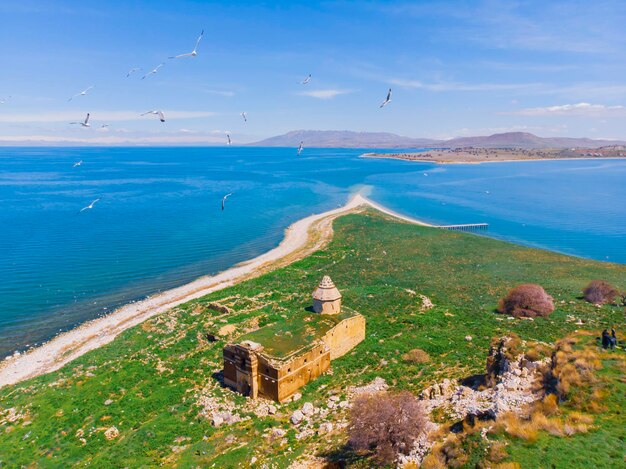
(349, 139)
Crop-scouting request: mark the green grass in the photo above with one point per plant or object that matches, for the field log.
(294, 332)
(157, 372)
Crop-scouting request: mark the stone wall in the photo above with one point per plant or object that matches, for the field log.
(345, 336)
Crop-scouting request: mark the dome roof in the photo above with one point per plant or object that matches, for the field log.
(326, 291)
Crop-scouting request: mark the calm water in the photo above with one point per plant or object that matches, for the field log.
(159, 222)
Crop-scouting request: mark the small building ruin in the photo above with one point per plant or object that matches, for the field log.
(277, 360)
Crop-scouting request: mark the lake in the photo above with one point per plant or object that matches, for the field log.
(159, 222)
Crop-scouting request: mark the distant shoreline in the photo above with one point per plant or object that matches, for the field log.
(301, 239)
(451, 157)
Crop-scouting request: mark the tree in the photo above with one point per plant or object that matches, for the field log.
(528, 300)
(387, 424)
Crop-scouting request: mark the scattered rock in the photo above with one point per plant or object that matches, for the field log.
(219, 308)
(377, 385)
(297, 417)
(468, 338)
(108, 402)
(305, 434)
(308, 409)
(426, 303)
(111, 433)
(296, 397)
(325, 427)
(278, 432)
(226, 330)
(271, 409)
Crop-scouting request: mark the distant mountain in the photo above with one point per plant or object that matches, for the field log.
(345, 139)
(349, 139)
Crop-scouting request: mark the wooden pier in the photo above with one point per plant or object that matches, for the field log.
(468, 227)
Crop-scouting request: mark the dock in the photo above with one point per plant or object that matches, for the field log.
(467, 227)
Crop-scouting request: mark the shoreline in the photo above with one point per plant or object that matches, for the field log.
(301, 239)
(521, 160)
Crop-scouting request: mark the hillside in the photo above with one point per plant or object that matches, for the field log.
(153, 397)
(349, 139)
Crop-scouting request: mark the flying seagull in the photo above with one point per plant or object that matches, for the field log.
(194, 52)
(132, 70)
(300, 148)
(78, 163)
(104, 126)
(4, 100)
(152, 72)
(84, 124)
(88, 207)
(82, 93)
(306, 80)
(157, 113)
(228, 136)
(224, 199)
(388, 100)
(245, 116)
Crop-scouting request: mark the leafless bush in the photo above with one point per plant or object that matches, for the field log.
(386, 423)
(528, 300)
(600, 292)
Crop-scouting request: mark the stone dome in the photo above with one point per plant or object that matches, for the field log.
(326, 291)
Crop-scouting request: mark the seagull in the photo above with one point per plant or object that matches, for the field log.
(88, 207)
(388, 100)
(82, 93)
(228, 136)
(245, 116)
(224, 200)
(4, 100)
(84, 124)
(152, 72)
(158, 113)
(300, 148)
(132, 70)
(78, 163)
(306, 80)
(194, 52)
(104, 126)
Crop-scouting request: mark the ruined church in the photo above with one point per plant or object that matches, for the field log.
(277, 360)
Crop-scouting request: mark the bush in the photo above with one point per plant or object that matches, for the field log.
(387, 424)
(528, 301)
(600, 292)
(416, 355)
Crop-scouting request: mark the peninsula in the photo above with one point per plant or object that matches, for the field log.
(493, 155)
(149, 387)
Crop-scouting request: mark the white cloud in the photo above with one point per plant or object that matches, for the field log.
(324, 94)
(579, 109)
(464, 86)
(108, 116)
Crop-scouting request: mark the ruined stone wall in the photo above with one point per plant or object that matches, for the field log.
(306, 367)
(345, 336)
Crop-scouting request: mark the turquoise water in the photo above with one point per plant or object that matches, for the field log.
(159, 222)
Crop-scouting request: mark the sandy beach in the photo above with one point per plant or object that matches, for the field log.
(301, 238)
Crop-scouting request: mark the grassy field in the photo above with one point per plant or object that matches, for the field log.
(157, 382)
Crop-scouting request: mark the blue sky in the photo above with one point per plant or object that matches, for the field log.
(456, 68)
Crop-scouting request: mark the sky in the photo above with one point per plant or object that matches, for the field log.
(456, 68)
